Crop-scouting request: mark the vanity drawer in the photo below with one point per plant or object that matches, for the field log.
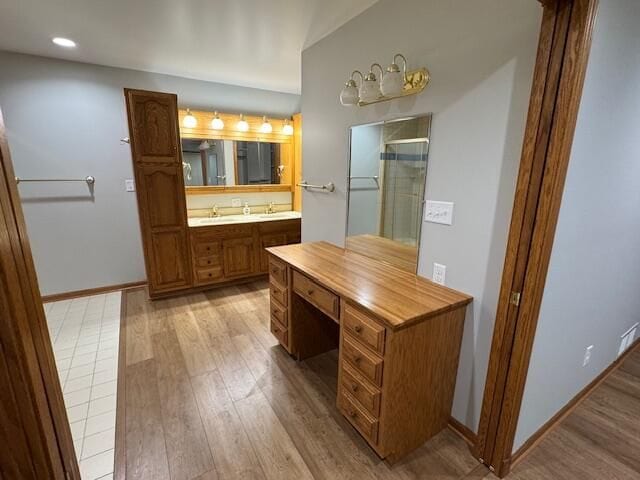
(358, 417)
(279, 294)
(279, 313)
(208, 262)
(277, 271)
(319, 296)
(281, 333)
(369, 332)
(360, 389)
(365, 363)
(207, 249)
(206, 275)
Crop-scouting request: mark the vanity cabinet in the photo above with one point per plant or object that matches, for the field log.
(223, 253)
(153, 126)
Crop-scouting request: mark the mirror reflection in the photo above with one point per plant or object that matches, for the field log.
(229, 162)
(388, 169)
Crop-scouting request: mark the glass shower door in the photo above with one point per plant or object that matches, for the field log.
(405, 171)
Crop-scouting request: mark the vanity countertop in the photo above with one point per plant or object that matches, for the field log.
(234, 219)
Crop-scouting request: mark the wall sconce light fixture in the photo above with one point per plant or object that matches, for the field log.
(242, 125)
(189, 121)
(266, 126)
(217, 123)
(394, 83)
(287, 128)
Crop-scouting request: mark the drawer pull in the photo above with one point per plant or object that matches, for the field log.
(309, 292)
(353, 414)
(357, 360)
(358, 328)
(274, 271)
(354, 387)
(276, 329)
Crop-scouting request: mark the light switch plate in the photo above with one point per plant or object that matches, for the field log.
(438, 212)
(587, 355)
(236, 202)
(439, 273)
(129, 185)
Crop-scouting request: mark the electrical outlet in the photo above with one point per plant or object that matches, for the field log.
(236, 202)
(587, 355)
(129, 185)
(439, 273)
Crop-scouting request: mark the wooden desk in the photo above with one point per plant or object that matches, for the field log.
(398, 335)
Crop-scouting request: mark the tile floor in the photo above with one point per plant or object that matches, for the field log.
(85, 333)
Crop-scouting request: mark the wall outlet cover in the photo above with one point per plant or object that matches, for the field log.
(587, 355)
(129, 185)
(236, 202)
(439, 273)
(438, 212)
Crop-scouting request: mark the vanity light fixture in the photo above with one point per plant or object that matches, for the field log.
(64, 42)
(287, 128)
(242, 125)
(392, 83)
(266, 126)
(217, 123)
(189, 121)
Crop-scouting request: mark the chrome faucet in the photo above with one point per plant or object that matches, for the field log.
(214, 211)
(269, 209)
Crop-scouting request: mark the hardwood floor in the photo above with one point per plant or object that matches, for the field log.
(208, 394)
(599, 440)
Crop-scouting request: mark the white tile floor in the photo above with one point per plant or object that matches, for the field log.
(85, 333)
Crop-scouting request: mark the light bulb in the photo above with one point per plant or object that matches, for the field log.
(217, 123)
(287, 128)
(242, 125)
(189, 121)
(266, 126)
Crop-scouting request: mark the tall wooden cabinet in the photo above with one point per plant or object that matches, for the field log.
(157, 163)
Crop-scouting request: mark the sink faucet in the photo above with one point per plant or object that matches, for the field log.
(214, 211)
(269, 209)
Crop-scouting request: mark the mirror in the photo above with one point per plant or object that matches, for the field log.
(387, 176)
(214, 162)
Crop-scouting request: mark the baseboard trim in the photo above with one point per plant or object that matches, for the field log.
(543, 431)
(91, 291)
(464, 432)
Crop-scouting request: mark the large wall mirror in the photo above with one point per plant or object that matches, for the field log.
(215, 162)
(387, 176)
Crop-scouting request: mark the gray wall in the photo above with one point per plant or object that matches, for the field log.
(364, 201)
(65, 119)
(481, 57)
(591, 294)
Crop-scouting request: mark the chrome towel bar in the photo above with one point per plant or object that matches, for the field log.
(88, 180)
(329, 187)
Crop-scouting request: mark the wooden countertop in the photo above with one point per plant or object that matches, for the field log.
(398, 298)
(405, 257)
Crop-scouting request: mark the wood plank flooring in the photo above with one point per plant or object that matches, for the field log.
(599, 440)
(208, 394)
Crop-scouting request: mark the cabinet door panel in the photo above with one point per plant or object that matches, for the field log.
(163, 195)
(238, 257)
(266, 241)
(169, 251)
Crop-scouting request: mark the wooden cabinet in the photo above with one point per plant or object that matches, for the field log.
(223, 253)
(153, 126)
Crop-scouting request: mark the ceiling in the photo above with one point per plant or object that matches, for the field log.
(254, 43)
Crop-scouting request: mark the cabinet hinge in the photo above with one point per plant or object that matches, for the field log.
(515, 299)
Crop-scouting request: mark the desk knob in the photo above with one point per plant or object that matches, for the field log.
(357, 328)
(357, 360)
(352, 414)
(354, 387)
(309, 292)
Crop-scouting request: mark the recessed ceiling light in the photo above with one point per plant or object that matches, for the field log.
(63, 42)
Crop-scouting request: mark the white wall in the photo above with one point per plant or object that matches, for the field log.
(591, 293)
(364, 200)
(65, 119)
(481, 57)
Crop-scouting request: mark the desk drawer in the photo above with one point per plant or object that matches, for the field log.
(365, 363)
(277, 272)
(281, 333)
(364, 329)
(319, 296)
(278, 294)
(279, 313)
(360, 389)
(364, 423)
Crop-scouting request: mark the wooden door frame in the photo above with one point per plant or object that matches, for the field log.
(563, 51)
(25, 340)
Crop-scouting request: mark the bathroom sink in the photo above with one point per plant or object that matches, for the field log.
(277, 216)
